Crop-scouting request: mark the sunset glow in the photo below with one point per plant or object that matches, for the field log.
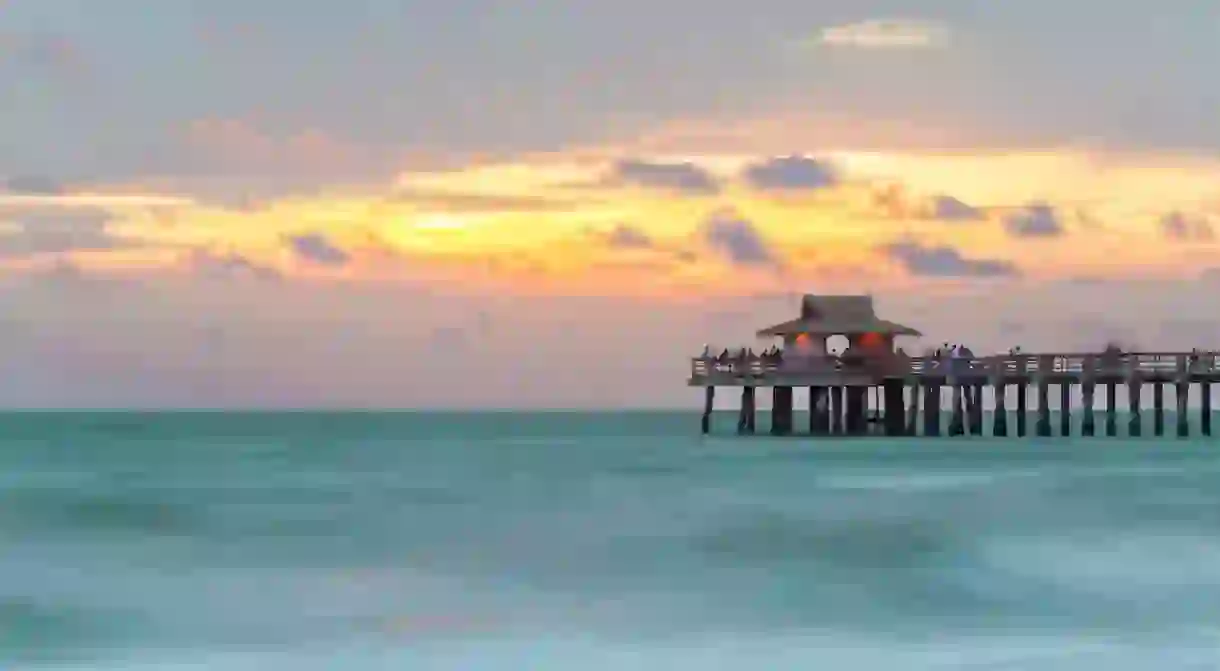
(1108, 211)
(332, 210)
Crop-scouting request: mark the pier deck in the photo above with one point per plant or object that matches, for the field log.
(839, 384)
(910, 387)
(1013, 369)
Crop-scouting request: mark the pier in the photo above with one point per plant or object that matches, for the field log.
(874, 388)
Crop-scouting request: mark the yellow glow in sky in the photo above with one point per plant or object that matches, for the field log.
(548, 222)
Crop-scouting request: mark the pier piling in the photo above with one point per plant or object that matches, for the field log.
(913, 411)
(1065, 409)
(1158, 409)
(819, 413)
(895, 407)
(1111, 409)
(1087, 390)
(781, 411)
(1205, 412)
(1182, 397)
(931, 409)
(999, 424)
(857, 410)
(1134, 388)
(976, 409)
(1044, 409)
(1022, 408)
(956, 420)
(709, 399)
(745, 419)
(836, 411)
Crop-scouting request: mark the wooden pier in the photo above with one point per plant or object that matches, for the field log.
(908, 392)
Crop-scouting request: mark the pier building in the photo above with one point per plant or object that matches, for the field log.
(873, 387)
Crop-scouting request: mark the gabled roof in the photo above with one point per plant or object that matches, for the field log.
(837, 315)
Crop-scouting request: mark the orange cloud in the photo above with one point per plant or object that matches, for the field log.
(836, 217)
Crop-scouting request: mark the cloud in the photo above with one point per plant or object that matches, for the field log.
(30, 185)
(790, 173)
(886, 34)
(737, 239)
(318, 249)
(1186, 228)
(1036, 220)
(893, 201)
(50, 233)
(949, 208)
(228, 265)
(945, 261)
(38, 192)
(682, 177)
(629, 237)
(90, 200)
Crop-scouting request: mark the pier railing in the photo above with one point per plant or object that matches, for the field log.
(1000, 365)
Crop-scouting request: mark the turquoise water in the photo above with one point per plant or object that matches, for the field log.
(595, 541)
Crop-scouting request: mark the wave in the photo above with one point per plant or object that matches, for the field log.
(828, 649)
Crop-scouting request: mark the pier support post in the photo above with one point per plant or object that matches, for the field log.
(1158, 409)
(999, 424)
(931, 409)
(895, 407)
(1022, 408)
(1044, 409)
(819, 411)
(750, 420)
(1088, 389)
(857, 410)
(709, 399)
(1205, 412)
(913, 411)
(956, 420)
(745, 420)
(862, 425)
(1135, 387)
(1111, 409)
(1182, 396)
(976, 409)
(1065, 409)
(836, 410)
(781, 411)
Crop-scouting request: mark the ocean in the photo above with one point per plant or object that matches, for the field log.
(606, 541)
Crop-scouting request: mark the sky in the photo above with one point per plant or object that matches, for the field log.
(474, 204)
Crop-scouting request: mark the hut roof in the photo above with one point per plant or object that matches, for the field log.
(837, 315)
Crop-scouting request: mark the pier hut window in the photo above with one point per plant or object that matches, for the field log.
(837, 343)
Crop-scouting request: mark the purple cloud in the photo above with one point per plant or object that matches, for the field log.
(952, 209)
(945, 261)
(316, 248)
(790, 173)
(682, 177)
(737, 239)
(1036, 220)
